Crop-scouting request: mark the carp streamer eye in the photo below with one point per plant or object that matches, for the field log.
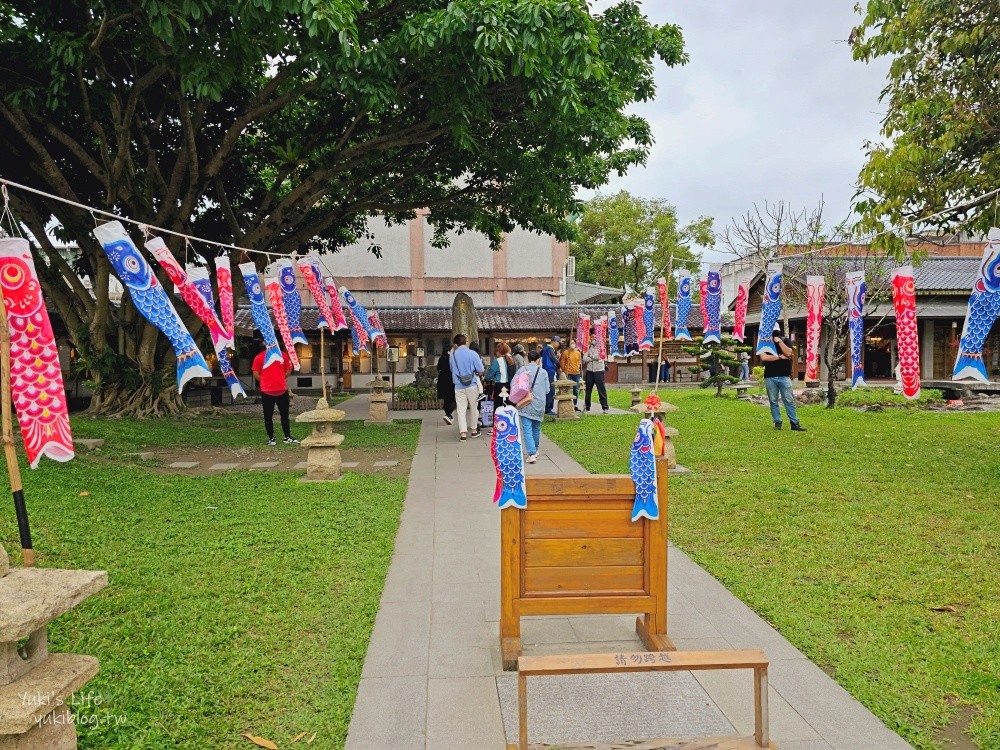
(13, 276)
(132, 264)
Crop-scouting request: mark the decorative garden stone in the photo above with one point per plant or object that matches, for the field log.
(378, 403)
(35, 686)
(564, 400)
(323, 462)
(463, 318)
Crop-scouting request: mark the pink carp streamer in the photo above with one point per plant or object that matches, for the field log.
(190, 294)
(815, 295)
(224, 279)
(904, 299)
(583, 323)
(601, 334)
(742, 300)
(36, 376)
(377, 333)
(309, 266)
(339, 320)
(276, 294)
(703, 293)
(661, 288)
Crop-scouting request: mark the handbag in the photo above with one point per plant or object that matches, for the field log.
(521, 395)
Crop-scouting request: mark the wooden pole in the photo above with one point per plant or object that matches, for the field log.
(322, 360)
(663, 327)
(10, 453)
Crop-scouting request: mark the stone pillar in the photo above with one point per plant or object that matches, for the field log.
(36, 686)
(564, 400)
(323, 462)
(927, 349)
(378, 403)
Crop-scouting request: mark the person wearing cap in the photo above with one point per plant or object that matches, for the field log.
(550, 363)
(778, 381)
(520, 358)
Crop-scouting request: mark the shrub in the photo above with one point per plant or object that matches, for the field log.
(411, 392)
(885, 397)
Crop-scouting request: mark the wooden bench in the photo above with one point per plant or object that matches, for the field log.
(576, 551)
(675, 661)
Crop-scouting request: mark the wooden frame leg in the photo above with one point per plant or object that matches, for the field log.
(522, 712)
(760, 719)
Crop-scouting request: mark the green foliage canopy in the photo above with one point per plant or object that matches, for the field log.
(627, 242)
(281, 124)
(940, 125)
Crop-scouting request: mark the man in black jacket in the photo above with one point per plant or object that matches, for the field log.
(778, 381)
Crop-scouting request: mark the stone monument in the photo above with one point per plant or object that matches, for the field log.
(463, 318)
(564, 400)
(323, 462)
(378, 403)
(35, 686)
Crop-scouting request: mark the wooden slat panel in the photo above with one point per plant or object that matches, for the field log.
(597, 524)
(546, 553)
(585, 605)
(607, 484)
(662, 661)
(582, 580)
(579, 502)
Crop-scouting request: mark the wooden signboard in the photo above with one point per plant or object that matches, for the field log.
(576, 551)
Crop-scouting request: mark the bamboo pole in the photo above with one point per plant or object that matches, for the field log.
(10, 453)
(663, 320)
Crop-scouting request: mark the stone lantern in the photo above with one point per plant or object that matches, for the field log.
(378, 403)
(323, 462)
(564, 400)
(36, 686)
(636, 395)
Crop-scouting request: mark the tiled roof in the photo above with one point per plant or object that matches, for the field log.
(540, 318)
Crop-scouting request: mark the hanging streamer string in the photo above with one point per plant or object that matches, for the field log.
(146, 228)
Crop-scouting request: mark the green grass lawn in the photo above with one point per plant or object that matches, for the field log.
(238, 603)
(849, 538)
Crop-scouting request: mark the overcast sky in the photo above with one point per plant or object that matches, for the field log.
(771, 107)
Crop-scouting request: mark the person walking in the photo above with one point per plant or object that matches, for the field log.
(533, 412)
(778, 381)
(446, 386)
(744, 367)
(569, 363)
(500, 374)
(550, 363)
(466, 369)
(594, 375)
(274, 392)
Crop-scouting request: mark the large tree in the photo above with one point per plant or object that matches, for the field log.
(280, 125)
(942, 114)
(627, 242)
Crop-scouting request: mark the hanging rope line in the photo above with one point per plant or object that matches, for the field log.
(143, 226)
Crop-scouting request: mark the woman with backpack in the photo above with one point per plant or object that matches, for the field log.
(529, 388)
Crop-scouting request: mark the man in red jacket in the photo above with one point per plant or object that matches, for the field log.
(274, 392)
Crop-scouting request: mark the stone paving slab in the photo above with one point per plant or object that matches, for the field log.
(386, 463)
(184, 464)
(223, 467)
(582, 708)
(264, 465)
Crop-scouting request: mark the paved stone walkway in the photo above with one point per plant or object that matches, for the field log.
(432, 677)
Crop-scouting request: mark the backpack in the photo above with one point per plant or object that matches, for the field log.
(522, 389)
